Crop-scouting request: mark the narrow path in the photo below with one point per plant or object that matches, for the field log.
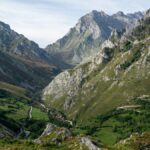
(30, 113)
(129, 106)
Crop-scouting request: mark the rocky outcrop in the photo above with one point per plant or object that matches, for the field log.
(48, 130)
(53, 135)
(65, 83)
(89, 144)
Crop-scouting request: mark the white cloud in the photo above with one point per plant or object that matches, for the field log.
(45, 21)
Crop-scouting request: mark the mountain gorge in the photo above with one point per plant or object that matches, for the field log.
(88, 91)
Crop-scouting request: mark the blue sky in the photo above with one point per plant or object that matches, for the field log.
(45, 21)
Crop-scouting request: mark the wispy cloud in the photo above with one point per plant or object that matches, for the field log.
(45, 21)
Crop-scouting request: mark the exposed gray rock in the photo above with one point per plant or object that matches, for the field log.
(58, 135)
(65, 83)
(69, 102)
(47, 131)
(89, 143)
(49, 128)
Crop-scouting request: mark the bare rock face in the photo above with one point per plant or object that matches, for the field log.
(102, 57)
(53, 135)
(86, 23)
(89, 144)
(65, 83)
(47, 131)
(108, 44)
(49, 128)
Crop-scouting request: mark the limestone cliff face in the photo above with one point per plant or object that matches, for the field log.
(65, 83)
(89, 144)
(69, 82)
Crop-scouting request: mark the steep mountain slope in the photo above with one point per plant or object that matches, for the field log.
(15, 43)
(112, 78)
(22, 62)
(90, 32)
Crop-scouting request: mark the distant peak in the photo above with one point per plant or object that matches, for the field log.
(120, 13)
(4, 25)
(95, 12)
(103, 13)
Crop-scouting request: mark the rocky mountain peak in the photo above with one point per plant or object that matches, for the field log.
(86, 38)
(120, 13)
(4, 26)
(91, 20)
(137, 15)
(129, 18)
(147, 14)
(100, 13)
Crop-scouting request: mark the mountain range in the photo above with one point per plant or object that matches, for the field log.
(89, 90)
(85, 39)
